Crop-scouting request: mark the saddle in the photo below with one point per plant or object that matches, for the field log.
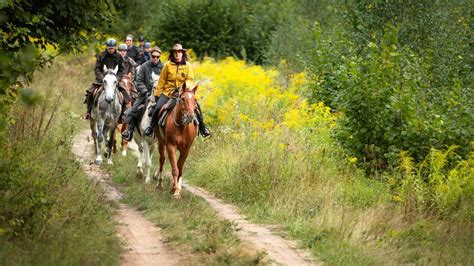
(165, 110)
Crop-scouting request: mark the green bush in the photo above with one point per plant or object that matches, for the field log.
(396, 89)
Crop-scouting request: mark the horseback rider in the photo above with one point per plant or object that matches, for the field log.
(132, 50)
(176, 71)
(129, 64)
(146, 52)
(144, 84)
(141, 47)
(110, 58)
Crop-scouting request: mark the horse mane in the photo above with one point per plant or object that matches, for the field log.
(109, 71)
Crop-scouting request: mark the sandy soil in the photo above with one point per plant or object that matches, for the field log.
(144, 243)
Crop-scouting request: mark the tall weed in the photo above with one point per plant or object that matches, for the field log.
(442, 184)
(49, 212)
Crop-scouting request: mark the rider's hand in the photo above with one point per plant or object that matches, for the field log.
(152, 99)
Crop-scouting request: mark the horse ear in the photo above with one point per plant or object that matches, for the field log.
(105, 68)
(116, 69)
(195, 88)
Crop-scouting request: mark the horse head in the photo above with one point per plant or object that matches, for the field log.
(110, 83)
(187, 100)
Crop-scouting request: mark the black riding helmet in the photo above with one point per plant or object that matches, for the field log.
(110, 43)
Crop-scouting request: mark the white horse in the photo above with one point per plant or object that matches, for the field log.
(146, 144)
(105, 114)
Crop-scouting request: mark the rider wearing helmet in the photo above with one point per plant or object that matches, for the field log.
(110, 58)
(146, 53)
(145, 87)
(176, 71)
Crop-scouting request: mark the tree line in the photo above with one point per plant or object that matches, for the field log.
(399, 72)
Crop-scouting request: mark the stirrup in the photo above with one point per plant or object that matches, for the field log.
(148, 131)
(205, 133)
(127, 135)
(87, 116)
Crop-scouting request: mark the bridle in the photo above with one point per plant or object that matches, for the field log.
(186, 118)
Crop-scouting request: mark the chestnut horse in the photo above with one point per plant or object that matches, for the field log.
(178, 134)
(128, 85)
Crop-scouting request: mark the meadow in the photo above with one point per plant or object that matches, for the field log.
(275, 155)
(272, 153)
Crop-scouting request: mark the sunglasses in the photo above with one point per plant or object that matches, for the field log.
(155, 56)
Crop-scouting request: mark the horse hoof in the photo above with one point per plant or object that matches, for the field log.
(98, 162)
(139, 173)
(124, 153)
(109, 162)
(159, 185)
(176, 196)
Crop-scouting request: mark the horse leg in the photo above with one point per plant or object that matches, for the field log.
(174, 169)
(147, 160)
(119, 129)
(98, 146)
(124, 142)
(109, 145)
(159, 173)
(124, 126)
(140, 159)
(183, 155)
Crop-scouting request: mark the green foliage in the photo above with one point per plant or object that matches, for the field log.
(31, 30)
(402, 83)
(50, 214)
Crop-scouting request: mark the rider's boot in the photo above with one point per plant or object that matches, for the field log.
(89, 99)
(128, 134)
(205, 132)
(154, 117)
(149, 130)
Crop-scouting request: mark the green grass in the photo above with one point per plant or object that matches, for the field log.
(324, 202)
(189, 224)
(50, 213)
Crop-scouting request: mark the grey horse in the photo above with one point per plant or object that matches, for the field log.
(105, 114)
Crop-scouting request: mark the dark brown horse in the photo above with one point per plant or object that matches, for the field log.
(178, 134)
(129, 87)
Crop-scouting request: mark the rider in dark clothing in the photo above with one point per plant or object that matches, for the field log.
(145, 87)
(146, 52)
(141, 47)
(111, 59)
(132, 51)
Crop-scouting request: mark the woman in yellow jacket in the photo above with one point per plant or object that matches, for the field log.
(176, 71)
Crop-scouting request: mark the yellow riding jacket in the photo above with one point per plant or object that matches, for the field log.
(174, 76)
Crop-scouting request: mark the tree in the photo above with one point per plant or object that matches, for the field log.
(29, 27)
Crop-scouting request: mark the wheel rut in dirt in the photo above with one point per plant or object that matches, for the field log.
(144, 244)
(278, 249)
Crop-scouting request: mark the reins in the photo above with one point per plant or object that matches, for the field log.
(179, 101)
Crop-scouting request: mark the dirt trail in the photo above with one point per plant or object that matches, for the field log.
(280, 250)
(144, 242)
